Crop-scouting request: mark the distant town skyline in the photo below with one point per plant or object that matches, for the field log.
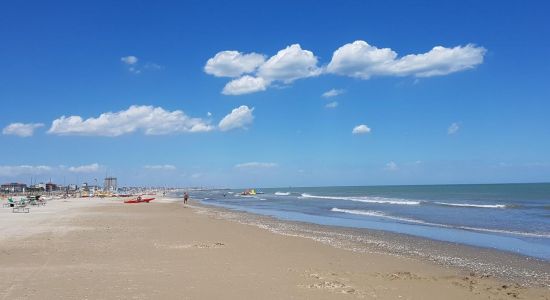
(237, 95)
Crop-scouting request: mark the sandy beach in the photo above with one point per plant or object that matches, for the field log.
(103, 249)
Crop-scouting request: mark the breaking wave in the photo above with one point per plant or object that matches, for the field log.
(409, 220)
(472, 205)
(378, 200)
(282, 193)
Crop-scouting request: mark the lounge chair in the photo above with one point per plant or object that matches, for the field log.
(21, 207)
(9, 203)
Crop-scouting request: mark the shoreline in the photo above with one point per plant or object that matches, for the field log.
(164, 250)
(488, 262)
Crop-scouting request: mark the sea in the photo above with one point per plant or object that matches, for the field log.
(508, 217)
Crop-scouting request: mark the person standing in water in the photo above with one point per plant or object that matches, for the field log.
(185, 197)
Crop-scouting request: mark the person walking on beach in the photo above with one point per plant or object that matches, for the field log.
(185, 197)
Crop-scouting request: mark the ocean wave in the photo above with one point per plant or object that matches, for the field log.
(282, 193)
(409, 220)
(377, 200)
(472, 205)
(371, 213)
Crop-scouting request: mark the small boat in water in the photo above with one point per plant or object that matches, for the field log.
(249, 192)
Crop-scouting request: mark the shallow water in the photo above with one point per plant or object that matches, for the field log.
(509, 217)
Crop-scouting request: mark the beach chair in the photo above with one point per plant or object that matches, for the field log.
(21, 207)
(9, 203)
(32, 201)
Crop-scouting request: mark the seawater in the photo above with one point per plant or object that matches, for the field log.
(508, 217)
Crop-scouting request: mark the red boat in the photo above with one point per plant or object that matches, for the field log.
(139, 200)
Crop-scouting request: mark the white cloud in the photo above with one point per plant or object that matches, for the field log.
(391, 166)
(152, 66)
(13, 171)
(332, 93)
(440, 61)
(85, 168)
(287, 65)
(151, 120)
(21, 129)
(133, 65)
(332, 104)
(129, 60)
(359, 59)
(134, 70)
(254, 165)
(290, 64)
(245, 85)
(233, 63)
(453, 128)
(208, 114)
(237, 118)
(361, 129)
(160, 167)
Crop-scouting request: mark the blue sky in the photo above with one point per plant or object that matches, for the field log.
(474, 110)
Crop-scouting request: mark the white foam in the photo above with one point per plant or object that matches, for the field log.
(282, 193)
(378, 200)
(472, 205)
(383, 215)
(375, 214)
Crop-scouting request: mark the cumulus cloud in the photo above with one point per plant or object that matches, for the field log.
(129, 60)
(233, 63)
(286, 66)
(151, 120)
(357, 59)
(290, 64)
(239, 117)
(453, 128)
(361, 60)
(254, 164)
(91, 168)
(391, 166)
(332, 104)
(332, 93)
(21, 129)
(13, 171)
(361, 129)
(245, 85)
(160, 167)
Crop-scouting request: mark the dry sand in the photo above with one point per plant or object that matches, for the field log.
(102, 249)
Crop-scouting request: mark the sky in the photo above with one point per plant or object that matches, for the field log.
(275, 93)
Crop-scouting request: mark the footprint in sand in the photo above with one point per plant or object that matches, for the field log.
(333, 285)
(400, 276)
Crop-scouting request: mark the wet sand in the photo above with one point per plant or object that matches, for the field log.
(167, 251)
